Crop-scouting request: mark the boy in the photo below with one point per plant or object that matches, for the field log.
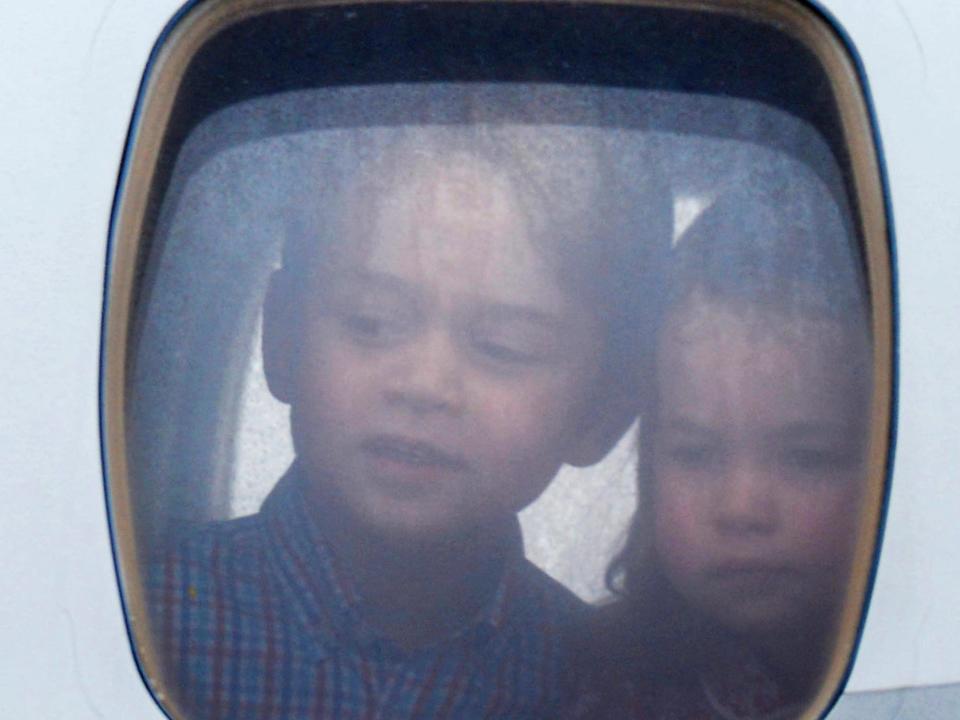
(446, 335)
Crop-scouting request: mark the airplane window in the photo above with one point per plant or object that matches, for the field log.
(497, 360)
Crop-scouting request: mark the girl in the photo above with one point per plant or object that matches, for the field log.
(732, 576)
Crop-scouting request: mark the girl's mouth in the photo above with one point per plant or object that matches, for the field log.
(758, 577)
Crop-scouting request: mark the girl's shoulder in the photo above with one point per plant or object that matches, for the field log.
(610, 663)
(625, 673)
(734, 685)
(738, 684)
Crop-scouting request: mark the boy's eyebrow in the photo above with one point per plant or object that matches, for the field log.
(364, 276)
(493, 310)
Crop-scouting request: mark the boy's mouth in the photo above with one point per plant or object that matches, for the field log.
(412, 452)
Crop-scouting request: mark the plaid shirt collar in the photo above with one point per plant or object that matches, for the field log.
(319, 594)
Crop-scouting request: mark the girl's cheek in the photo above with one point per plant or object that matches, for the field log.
(680, 532)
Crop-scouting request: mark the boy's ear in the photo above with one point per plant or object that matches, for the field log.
(603, 421)
(279, 338)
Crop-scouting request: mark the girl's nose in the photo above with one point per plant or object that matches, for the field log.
(748, 500)
(429, 375)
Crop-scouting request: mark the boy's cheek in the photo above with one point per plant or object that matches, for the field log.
(532, 407)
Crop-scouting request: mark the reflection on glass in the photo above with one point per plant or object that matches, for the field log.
(752, 469)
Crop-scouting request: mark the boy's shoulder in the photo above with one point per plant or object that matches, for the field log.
(237, 602)
(243, 564)
(232, 565)
(212, 598)
(223, 559)
(227, 572)
(226, 562)
(234, 569)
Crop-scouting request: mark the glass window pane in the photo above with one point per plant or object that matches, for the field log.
(541, 372)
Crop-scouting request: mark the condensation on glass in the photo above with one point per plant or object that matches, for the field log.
(402, 138)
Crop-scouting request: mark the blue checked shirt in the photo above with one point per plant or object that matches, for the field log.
(253, 621)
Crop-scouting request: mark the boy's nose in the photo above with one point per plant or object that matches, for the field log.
(429, 376)
(747, 501)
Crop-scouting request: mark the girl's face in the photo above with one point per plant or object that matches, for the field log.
(758, 462)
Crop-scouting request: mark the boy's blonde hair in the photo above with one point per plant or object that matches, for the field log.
(604, 226)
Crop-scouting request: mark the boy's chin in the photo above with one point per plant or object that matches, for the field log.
(411, 528)
(410, 515)
(412, 523)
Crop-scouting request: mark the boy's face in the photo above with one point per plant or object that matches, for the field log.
(441, 366)
(758, 463)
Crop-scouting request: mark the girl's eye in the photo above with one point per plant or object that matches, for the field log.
(693, 455)
(817, 459)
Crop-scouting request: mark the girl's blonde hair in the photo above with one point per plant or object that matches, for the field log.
(756, 251)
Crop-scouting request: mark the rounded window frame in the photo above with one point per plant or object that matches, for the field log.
(196, 24)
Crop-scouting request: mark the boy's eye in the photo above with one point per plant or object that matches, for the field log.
(372, 310)
(513, 338)
(502, 352)
(511, 344)
(374, 322)
(366, 325)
